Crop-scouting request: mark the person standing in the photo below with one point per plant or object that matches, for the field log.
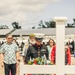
(31, 41)
(67, 55)
(70, 44)
(50, 45)
(37, 49)
(53, 54)
(9, 55)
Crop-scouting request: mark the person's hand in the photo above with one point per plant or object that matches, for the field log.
(2, 64)
(17, 63)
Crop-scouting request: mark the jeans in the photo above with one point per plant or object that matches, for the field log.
(10, 67)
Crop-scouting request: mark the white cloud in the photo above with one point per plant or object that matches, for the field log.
(15, 16)
(17, 10)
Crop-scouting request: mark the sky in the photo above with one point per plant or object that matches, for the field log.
(28, 13)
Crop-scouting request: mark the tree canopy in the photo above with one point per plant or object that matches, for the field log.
(16, 25)
(45, 24)
(4, 27)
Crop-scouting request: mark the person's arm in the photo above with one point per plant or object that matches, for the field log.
(28, 55)
(2, 51)
(2, 59)
(47, 53)
(17, 56)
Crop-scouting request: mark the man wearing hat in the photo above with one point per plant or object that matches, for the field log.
(31, 41)
(37, 49)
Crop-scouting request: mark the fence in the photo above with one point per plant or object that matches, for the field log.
(59, 68)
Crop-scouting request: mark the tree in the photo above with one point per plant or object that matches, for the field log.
(45, 24)
(69, 25)
(74, 22)
(16, 25)
(4, 27)
(50, 24)
(33, 27)
(74, 19)
(72, 25)
(41, 24)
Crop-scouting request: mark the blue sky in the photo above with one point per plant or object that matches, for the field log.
(28, 13)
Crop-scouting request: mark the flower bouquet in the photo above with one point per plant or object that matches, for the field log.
(39, 61)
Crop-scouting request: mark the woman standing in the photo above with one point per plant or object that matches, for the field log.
(50, 45)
